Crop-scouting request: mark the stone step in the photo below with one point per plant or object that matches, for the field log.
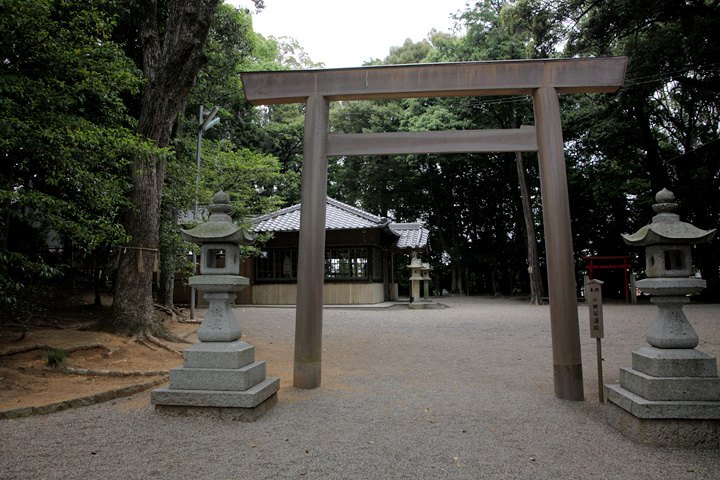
(670, 388)
(230, 355)
(221, 379)
(674, 362)
(249, 398)
(643, 408)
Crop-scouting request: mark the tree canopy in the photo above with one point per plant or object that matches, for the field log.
(620, 149)
(67, 137)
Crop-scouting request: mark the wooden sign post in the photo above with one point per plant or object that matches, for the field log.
(593, 295)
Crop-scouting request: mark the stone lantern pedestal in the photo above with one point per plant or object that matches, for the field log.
(671, 395)
(219, 376)
(415, 279)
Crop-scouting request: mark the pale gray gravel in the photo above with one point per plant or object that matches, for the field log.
(463, 392)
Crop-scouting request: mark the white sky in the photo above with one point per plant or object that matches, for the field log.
(343, 33)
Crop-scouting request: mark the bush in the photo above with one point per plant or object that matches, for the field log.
(56, 359)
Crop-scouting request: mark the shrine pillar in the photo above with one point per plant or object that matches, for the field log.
(567, 361)
(311, 260)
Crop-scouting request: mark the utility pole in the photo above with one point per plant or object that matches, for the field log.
(204, 124)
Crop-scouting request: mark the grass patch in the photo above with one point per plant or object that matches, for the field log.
(56, 359)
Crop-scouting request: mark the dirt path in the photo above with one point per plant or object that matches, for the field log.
(25, 380)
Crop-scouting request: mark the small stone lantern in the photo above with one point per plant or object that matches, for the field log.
(425, 271)
(219, 376)
(415, 279)
(671, 395)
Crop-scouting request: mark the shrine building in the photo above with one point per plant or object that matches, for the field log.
(360, 256)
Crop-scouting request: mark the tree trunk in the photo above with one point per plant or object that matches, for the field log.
(170, 67)
(536, 285)
(132, 309)
(453, 279)
(457, 279)
(654, 164)
(96, 276)
(168, 262)
(493, 280)
(532, 253)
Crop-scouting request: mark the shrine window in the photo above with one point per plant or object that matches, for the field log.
(346, 263)
(340, 264)
(276, 265)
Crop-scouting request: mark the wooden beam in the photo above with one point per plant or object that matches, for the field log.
(567, 359)
(457, 141)
(509, 77)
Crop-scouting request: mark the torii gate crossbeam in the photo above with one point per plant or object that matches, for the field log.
(543, 79)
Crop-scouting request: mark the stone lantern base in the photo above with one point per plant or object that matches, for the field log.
(670, 397)
(218, 379)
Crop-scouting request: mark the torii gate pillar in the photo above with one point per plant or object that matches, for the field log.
(311, 259)
(567, 361)
(543, 79)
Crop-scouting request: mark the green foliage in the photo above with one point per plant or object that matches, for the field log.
(56, 359)
(668, 107)
(542, 25)
(409, 52)
(292, 56)
(65, 132)
(489, 35)
(251, 179)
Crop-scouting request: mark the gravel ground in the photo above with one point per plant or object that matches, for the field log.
(460, 392)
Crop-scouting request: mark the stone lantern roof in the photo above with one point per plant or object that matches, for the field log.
(666, 227)
(219, 227)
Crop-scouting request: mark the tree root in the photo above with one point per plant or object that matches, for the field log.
(88, 346)
(141, 340)
(114, 373)
(23, 327)
(190, 332)
(111, 351)
(174, 312)
(162, 344)
(189, 320)
(47, 323)
(147, 338)
(44, 346)
(171, 337)
(15, 325)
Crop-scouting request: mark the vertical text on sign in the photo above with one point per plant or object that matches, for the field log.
(594, 299)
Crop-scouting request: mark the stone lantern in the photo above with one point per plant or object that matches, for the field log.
(415, 279)
(668, 246)
(671, 395)
(425, 271)
(219, 376)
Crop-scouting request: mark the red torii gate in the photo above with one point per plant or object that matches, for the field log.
(543, 79)
(611, 262)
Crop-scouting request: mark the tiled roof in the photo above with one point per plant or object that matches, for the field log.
(412, 235)
(341, 216)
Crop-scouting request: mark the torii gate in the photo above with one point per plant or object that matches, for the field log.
(543, 79)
